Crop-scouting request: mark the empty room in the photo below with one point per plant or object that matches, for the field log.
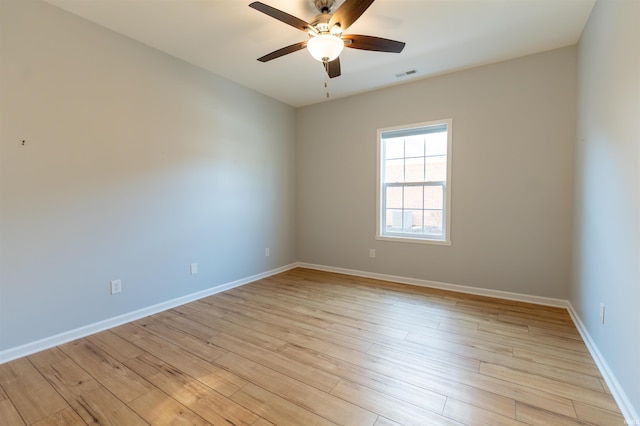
(320, 212)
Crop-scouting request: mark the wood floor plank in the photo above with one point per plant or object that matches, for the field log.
(586, 368)
(186, 324)
(537, 416)
(33, 397)
(320, 348)
(385, 365)
(604, 385)
(190, 392)
(196, 324)
(200, 348)
(276, 409)
(48, 357)
(66, 417)
(114, 345)
(562, 389)
(516, 391)
(206, 372)
(457, 353)
(290, 367)
(590, 414)
(383, 421)
(388, 406)
(449, 335)
(320, 403)
(92, 401)
(568, 333)
(158, 408)
(537, 320)
(265, 322)
(112, 374)
(315, 321)
(9, 414)
(414, 386)
(503, 328)
(263, 422)
(470, 414)
(416, 395)
(537, 397)
(329, 311)
(538, 313)
(232, 323)
(3, 394)
(431, 355)
(483, 337)
(349, 331)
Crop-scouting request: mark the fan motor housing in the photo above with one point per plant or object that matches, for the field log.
(321, 22)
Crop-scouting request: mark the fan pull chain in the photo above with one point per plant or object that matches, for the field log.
(326, 83)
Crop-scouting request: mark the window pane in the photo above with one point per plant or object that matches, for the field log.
(414, 146)
(417, 216)
(437, 168)
(433, 197)
(394, 148)
(394, 220)
(436, 143)
(394, 171)
(433, 222)
(414, 170)
(413, 197)
(394, 197)
(416, 222)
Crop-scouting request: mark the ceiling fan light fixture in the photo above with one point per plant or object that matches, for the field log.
(325, 47)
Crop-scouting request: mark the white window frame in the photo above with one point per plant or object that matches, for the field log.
(380, 190)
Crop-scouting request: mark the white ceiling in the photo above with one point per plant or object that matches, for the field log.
(226, 37)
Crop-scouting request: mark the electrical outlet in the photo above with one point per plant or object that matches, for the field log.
(602, 313)
(267, 252)
(193, 268)
(115, 286)
(372, 253)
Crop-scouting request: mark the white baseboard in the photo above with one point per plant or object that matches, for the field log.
(618, 393)
(67, 336)
(498, 294)
(629, 413)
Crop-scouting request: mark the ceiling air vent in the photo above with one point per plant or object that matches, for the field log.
(406, 73)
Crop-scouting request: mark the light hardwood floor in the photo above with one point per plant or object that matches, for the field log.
(314, 348)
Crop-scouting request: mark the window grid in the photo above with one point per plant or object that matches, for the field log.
(422, 214)
(423, 207)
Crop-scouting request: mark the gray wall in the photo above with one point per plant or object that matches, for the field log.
(512, 176)
(135, 165)
(607, 220)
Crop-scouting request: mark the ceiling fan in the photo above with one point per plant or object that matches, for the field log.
(326, 40)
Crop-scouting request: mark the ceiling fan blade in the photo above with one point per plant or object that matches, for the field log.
(333, 68)
(349, 12)
(283, 51)
(377, 44)
(281, 16)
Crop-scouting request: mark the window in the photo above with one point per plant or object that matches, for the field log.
(414, 191)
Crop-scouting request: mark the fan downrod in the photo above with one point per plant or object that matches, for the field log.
(324, 6)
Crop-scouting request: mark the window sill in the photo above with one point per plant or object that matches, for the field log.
(413, 240)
